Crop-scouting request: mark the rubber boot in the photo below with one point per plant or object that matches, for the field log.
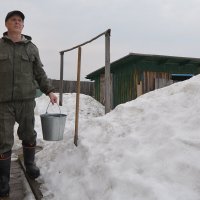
(29, 160)
(5, 160)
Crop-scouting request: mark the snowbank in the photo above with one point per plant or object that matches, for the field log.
(146, 149)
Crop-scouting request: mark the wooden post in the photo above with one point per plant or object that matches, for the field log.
(77, 96)
(107, 72)
(61, 78)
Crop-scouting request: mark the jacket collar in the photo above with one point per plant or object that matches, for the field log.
(25, 38)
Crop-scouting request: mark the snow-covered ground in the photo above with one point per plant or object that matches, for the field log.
(146, 149)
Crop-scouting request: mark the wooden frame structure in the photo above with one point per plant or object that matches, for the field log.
(107, 77)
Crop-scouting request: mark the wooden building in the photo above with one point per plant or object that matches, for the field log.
(136, 74)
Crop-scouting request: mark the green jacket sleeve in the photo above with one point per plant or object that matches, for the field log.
(40, 75)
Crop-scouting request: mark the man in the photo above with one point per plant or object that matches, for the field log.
(20, 69)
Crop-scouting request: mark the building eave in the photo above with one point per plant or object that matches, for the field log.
(138, 57)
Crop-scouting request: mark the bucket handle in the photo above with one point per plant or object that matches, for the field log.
(48, 107)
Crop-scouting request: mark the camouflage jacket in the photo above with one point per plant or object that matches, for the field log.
(21, 70)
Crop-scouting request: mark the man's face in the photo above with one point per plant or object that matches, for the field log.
(15, 24)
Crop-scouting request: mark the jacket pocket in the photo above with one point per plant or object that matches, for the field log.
(4, 62)
(27, 64)
(4, 57)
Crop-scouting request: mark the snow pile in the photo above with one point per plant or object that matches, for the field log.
(146, 149)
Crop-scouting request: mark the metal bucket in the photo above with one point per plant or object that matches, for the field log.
(53, 125)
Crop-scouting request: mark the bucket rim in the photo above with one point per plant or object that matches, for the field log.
(53, 115)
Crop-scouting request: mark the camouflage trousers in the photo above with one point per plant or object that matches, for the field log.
(21, 112)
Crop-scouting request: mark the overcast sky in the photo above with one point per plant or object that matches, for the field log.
(164, 27)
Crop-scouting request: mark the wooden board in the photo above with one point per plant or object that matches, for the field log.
(20, 183)
(34, 185)
(17, 186)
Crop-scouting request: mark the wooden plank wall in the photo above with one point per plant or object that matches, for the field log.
(102, 89)
(70, 87)
(128, 85)
(155, 80)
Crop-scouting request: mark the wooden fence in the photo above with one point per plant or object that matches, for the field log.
(86, 87)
